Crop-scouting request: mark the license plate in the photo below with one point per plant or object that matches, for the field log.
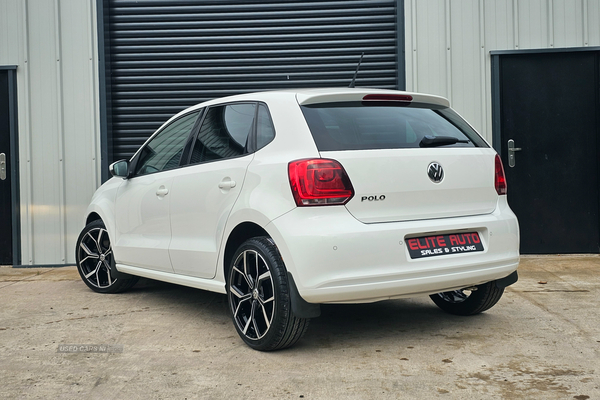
(441, 245)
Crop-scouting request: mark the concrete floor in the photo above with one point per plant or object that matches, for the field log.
(542, 341)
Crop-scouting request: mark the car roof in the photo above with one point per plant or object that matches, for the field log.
(327, 95)
(309, 96)
(317, 95)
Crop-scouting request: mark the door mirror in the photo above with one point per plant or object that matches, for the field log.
(120, 168)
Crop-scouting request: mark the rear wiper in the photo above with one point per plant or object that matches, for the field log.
(435, 141)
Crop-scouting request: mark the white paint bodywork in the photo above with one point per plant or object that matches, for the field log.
(199, 213)
(336, 254)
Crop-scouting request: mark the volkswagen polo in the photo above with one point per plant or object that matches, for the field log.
(287, 200)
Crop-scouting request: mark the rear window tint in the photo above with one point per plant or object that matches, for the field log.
(359, 126)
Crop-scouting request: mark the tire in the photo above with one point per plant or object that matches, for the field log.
(469, 301)
(94, 258)
(259, 297)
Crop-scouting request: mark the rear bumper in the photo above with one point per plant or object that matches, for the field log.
(336, 259)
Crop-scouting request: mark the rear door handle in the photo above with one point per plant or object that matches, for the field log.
(226, 184)
(162, 191)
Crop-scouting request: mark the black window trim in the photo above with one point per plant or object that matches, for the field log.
(251, 136)
(256, 126)
(135, 159)
(186, 155)
(187, 149)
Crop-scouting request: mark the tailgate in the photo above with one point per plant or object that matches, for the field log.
(394, 185)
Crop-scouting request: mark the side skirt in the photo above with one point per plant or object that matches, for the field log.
(198, 283)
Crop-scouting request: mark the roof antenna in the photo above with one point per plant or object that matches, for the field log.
(356, 73)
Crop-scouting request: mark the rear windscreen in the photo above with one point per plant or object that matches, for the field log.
(364, 126)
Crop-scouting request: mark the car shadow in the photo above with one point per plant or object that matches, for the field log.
(186, 299)
(410, 321)
(340, 325)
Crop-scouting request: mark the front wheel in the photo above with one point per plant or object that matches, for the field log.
(94, 258)
(259, 297)
(469, 301)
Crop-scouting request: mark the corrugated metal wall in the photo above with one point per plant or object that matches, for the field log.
(165, 55)
(53, 44)
(448, 43)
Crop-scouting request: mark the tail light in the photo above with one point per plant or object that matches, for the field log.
(500, 178)
(319, 182)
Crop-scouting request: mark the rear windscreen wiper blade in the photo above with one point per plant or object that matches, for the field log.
(434, 141)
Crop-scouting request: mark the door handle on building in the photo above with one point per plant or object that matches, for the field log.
(511, 153)
(2, 166)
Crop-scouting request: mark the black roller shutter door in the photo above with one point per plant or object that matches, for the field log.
(164, 56)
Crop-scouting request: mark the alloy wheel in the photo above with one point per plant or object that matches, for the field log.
(252, 295)
(95, 257)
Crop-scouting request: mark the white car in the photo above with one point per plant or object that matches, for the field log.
(286, 200)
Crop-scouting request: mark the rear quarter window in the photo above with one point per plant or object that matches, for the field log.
(358, 126)
(224, 132)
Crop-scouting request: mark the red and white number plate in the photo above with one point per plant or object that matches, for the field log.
(440, 245)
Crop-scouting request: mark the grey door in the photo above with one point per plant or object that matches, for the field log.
(550, 127)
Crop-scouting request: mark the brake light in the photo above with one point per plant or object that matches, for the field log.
(405, 98)
(319, 182)
(500, 178)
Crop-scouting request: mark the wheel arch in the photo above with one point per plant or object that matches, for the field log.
(247, 230)
(93, 216)
(241, 233)
(96, 212)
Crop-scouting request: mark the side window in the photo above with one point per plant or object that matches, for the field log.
(163, 152)
(224, 132)
(265, 132)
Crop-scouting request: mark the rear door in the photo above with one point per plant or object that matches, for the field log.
(204, 192)
(406, 161)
